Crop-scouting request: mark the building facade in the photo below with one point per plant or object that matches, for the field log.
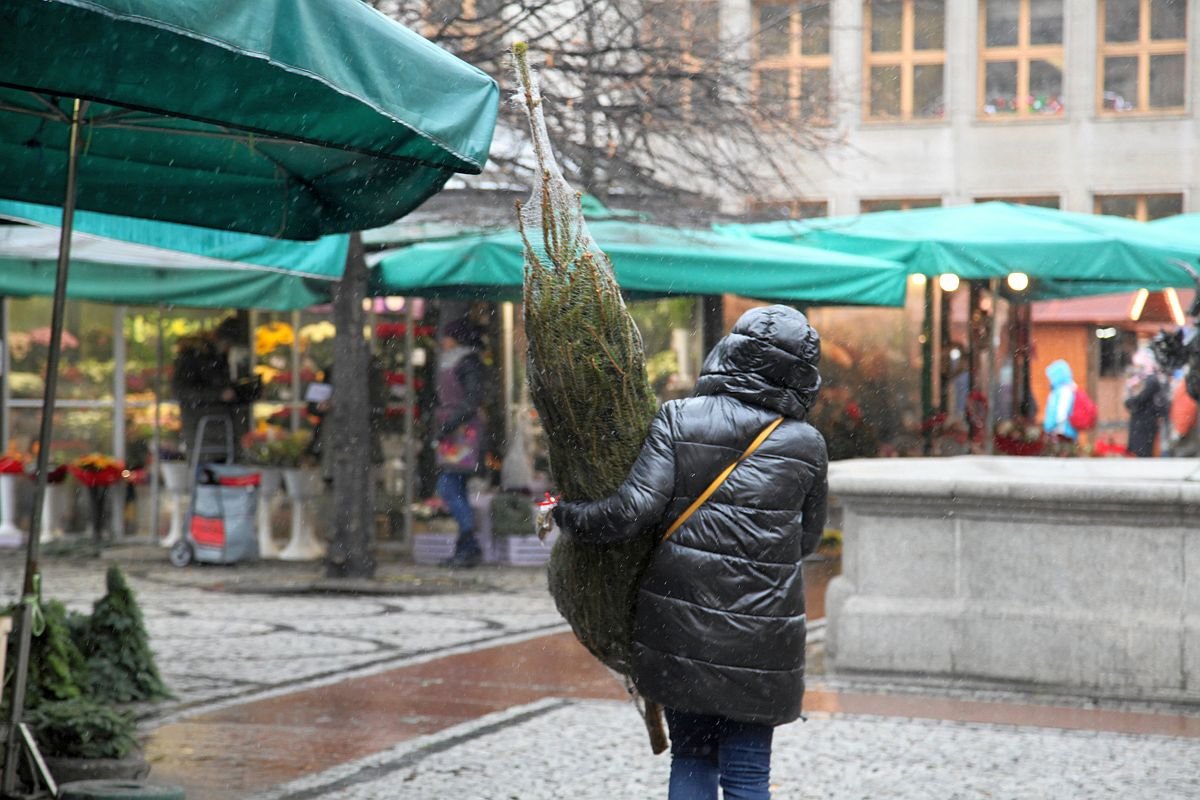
(1085, 105)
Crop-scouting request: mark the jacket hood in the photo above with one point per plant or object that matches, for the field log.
(1059, 373)
(769, 359)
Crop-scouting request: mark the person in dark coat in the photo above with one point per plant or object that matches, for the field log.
(1147, 399)
(458, 432)
(719, 628)
(206, 384)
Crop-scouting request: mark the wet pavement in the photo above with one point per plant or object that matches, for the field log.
(435, 684)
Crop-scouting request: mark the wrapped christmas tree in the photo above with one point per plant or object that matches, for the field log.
(587, 378)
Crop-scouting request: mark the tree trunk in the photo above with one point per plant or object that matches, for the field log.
(350, 554)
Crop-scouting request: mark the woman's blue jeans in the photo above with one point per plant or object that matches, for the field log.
(452, 488)
(709, 751)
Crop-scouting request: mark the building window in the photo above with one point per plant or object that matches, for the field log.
(791, 59)
(898, 204)
(686, 35)
(1021, 58)
(1143, 207)
(1116, 351)
(767, 210)
(1143, 55)
(905, 59)
(1039, 200)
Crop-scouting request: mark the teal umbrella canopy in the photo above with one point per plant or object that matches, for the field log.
(139, 262)
(1183, 226)
(649, 260)
(320, 260)
(286, 118)
(1067, 254)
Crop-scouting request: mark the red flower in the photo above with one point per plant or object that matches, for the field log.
(853, 411)
(394, 330)
(11, 464)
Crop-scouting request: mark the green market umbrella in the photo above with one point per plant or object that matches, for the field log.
(111, 271)
(648, 260)
(141, 262)
(289, 118)
(1066, 254)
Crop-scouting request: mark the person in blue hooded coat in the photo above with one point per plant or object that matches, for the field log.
(719, 627)
(1060, 401)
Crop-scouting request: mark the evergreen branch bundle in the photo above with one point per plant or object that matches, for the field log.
(587, 376)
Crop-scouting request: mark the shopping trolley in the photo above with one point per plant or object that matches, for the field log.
(220, 528)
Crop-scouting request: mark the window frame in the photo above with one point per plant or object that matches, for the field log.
(794, 63)
(1143, 50)
(689, 62)
(1140, 198)
(904, 203)
(906, 58)
(1023, 53)
(754, 207)
(1035, 200)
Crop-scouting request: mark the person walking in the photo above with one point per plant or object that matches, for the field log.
(719, 628)
(1184, 438)
(458, 421)
(207, 384)
(1147, 400)
(1060, 402)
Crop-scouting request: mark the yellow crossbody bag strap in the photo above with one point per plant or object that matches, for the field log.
(712, 487)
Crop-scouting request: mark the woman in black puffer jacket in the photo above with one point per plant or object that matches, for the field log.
(719, 626)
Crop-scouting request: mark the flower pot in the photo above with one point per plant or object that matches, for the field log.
(66, 770)
(271, 481)
(51, 526)
(303, 485)
(97, 504)
(10, 534)
(175, 482)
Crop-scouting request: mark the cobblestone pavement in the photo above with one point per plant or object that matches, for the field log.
(221, 634)
(589, 749)
(271, 655)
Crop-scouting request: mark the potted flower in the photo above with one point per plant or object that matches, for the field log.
(262, 448)
(50, 527)
(303, 480)
(1018, 437)
(83, 671)
(97, 472)
(12, 464)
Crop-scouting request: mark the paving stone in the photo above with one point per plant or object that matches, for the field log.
(592, 749)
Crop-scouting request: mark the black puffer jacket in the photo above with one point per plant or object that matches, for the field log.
(719, 626)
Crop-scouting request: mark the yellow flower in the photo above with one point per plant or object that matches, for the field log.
(317, 332)
(266, 373)
(272, 335)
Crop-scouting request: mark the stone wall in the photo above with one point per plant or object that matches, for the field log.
(1074, 573)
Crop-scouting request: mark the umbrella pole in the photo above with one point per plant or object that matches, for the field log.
(410, 416)
(927, 368)
(989, 426)
(30, 590)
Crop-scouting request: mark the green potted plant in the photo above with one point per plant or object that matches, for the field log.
(84, 672)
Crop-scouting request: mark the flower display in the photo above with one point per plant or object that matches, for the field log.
(396, 330)
(317, 332)
(271, 336)
(96, 470)
(269, 446)
(13, 463)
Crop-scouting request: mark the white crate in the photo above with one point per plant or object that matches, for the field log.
(433, 548)
(526, 551)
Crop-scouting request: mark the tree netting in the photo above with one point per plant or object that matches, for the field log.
(587, 378)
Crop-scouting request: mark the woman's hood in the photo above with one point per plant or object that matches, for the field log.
(769, 359)
(1059, 373)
